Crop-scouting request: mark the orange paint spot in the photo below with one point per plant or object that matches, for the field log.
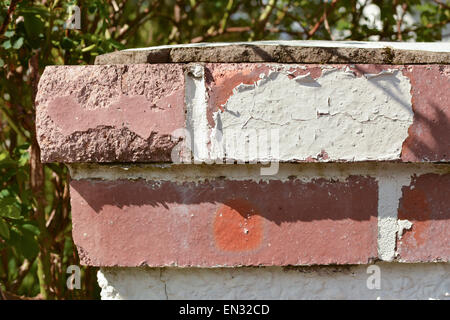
(227, 80)
(237, 226)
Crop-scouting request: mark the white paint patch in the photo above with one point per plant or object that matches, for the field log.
(349, 118)
(197, 123)
(398, 281)
(389, 193)
(146, 285)
(402, 226)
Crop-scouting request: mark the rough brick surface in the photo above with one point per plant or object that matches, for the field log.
(127, 113)
(425, 203)
(429, 136)
(283, 52)
(109, 113)
(225, 222)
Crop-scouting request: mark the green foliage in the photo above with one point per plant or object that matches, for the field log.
(35, 228)
(18, 230)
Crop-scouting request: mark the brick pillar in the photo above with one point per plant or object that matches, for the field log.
(259, 170)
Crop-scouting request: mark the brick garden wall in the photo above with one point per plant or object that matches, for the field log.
(256, 158)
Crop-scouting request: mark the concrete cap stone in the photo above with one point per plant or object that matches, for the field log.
(287, 52)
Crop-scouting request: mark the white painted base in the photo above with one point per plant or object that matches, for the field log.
(398, 281)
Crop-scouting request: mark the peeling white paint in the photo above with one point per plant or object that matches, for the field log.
(402, 226)
(196, 121)
(304, 78)
(380, 74)
(348, 118)
(398, 281)
(389, 193)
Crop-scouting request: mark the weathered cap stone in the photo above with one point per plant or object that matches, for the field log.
(286, 52)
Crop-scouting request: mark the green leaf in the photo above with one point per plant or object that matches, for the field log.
(9, 33)
(116, 45)
(2, 63)
(23, 147)
(92, 8)
(36, 9)
(9, 208)
(68, 43)
(92, 46)
(18, 43)
(31, 228)
(23, 160)
(24, 242)
(8, 169)
(7, 44)
(33, 25)
(11, 212)
(4, 229)
(343, 25)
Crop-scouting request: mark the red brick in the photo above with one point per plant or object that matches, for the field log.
(429, 135)
(425, 203)
(224, 222)
(109, 113)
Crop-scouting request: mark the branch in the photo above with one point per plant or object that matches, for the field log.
(446, 6)
(23, 271)
(5, 295)
(11, 9)
(265, 15)
(138, 21)
(400, 21)
(327, 26)
(226, 16)
(37, 183)
(12, 123)
(217, 33)
(427, 26)
(286, 13)
(2, 295)
(322, 19)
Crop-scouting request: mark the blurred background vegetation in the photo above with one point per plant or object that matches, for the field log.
(35, 228)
